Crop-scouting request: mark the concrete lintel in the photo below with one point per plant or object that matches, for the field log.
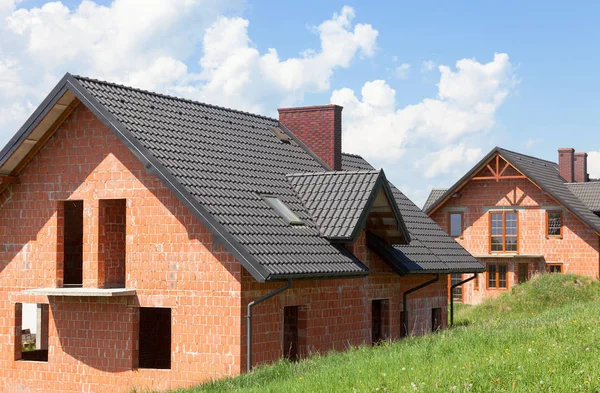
(90, 292)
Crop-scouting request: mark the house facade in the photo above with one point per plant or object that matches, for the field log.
(519, 216)
(163, 243)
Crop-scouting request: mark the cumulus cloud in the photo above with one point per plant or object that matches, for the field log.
(235, 73)
(153, 50)
(467, 100)
(428, 66)
(450, 158)
(402, 71)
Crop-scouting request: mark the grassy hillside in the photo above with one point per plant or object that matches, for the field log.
(544, 336)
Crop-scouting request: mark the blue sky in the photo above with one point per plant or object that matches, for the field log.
(543, 95)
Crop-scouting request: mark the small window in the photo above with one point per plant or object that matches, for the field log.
(456, 224)
(497, 276)
(289, 216)
(403, 328)
(291, 323)
(155, 338)
(554, 223)
(72, 240)
(32, 329)
(379, 321)
(555, 268)
(458, 291)
(436, 319)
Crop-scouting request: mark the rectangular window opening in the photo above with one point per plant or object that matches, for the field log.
(436, 319)
(555, 268)
(522, 272)
(403, 328)
(554, 223)
(155, 338)
(504, 232)
(73, 243)
(32, 332)
(456, 224)
(379, 321)
(497, 274)
(291, 333)
(283, 210)
(112, 241)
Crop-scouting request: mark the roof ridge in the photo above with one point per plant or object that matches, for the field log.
(352, 155)
(170, 97)
(331, 173)
(527, 156)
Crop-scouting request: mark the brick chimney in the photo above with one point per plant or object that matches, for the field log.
(580, 167)
(320, 128)
(565, 164)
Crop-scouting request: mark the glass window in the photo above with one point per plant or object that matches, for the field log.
(555, 268)
(492, 276)
(281, 208)
(504, 232)
(554, 223)
(497, 274)
(456, 224)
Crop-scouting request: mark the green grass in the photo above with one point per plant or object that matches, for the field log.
(543, 336)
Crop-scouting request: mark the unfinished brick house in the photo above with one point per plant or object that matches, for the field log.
(152, 234)
(521, 215)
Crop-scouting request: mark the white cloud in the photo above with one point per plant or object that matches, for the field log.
(235, 73)
(150, 43)
(594, 164)
(451, 158)
(141, 42)
(467, 101)
(428, 66)
(533, 141)
(402, 71)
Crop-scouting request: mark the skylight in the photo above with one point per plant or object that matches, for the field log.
(288, 216)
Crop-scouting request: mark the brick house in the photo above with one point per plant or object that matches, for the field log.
(165, 242)
(521, 215)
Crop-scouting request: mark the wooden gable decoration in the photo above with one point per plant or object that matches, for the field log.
(497, 168)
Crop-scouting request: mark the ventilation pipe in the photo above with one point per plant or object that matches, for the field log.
(254, 303)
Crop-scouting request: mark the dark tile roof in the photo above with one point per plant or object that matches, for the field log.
(339, 201)
(434, 195)
(543, 173)
(589, 193)
(431, 250)
(226, 160)
(336, 200)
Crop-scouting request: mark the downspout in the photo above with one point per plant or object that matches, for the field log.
(458, 284)
(405, 299)
(254, 303)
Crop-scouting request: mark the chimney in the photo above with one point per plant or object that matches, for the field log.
(320, 128)
(565, 164)
(580, 167)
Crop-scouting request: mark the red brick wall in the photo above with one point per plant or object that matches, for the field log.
(338, 312)
(170, 258)
(577, 250)
(171, 262)
(320, 128)
(112, 243)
